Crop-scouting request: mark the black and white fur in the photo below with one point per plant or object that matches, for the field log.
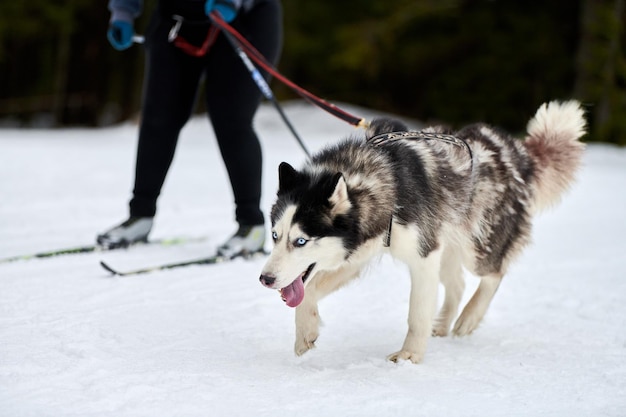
(449, 207)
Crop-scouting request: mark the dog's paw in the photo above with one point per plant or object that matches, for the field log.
(405, 355)
(439, 332)
(303, 345)
(440, 328)
(465, 325)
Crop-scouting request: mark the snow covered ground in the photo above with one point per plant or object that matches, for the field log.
(211, 341)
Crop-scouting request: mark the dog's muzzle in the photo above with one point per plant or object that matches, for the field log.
(292, 294)
(267, 280)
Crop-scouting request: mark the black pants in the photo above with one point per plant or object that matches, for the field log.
(171, 83)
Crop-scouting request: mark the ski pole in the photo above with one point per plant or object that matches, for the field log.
(260, 60)
(263, 86)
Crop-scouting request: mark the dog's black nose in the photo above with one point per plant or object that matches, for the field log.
(267, 280)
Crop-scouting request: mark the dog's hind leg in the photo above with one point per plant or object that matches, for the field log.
(451, 276)
(422, 306)
(477, 306)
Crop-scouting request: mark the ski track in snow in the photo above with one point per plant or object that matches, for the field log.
(211, 341)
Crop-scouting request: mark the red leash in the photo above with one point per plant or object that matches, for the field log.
(260, 60)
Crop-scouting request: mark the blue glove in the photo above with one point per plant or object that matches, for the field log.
(120, 34)
(226, 9)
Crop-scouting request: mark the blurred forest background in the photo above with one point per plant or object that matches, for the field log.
(453, 61)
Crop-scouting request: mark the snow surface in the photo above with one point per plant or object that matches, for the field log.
(211, 341)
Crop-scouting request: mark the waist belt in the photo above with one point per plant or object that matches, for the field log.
(177, 40)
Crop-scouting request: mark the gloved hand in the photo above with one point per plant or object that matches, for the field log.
(227, 9)
(120, 34)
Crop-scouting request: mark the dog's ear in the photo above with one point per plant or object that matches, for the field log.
(382, 125)
(288, 177)
(339, 199)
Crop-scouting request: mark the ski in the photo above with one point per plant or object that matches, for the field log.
(97, 248)
(202, 261)
(210, 260)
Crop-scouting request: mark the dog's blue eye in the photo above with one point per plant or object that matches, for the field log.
(274, 236)
(300, 242)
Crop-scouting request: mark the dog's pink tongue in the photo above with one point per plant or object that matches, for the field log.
(293, 294)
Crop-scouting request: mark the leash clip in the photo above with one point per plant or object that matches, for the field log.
(174, 30)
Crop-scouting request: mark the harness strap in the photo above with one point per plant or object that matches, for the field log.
(385, 138)
(387, 239)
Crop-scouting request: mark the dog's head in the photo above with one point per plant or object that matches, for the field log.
(312, 230)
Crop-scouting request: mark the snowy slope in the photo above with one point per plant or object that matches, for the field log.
(211, 341)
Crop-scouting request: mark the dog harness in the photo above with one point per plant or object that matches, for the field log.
(385, 138)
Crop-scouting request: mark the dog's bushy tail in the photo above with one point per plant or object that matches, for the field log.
(553, 143)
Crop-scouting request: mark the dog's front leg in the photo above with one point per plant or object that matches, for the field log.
(307, 323)
(422, 305)
(307, 315)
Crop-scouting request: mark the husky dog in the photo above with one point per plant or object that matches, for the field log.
(437, 200)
